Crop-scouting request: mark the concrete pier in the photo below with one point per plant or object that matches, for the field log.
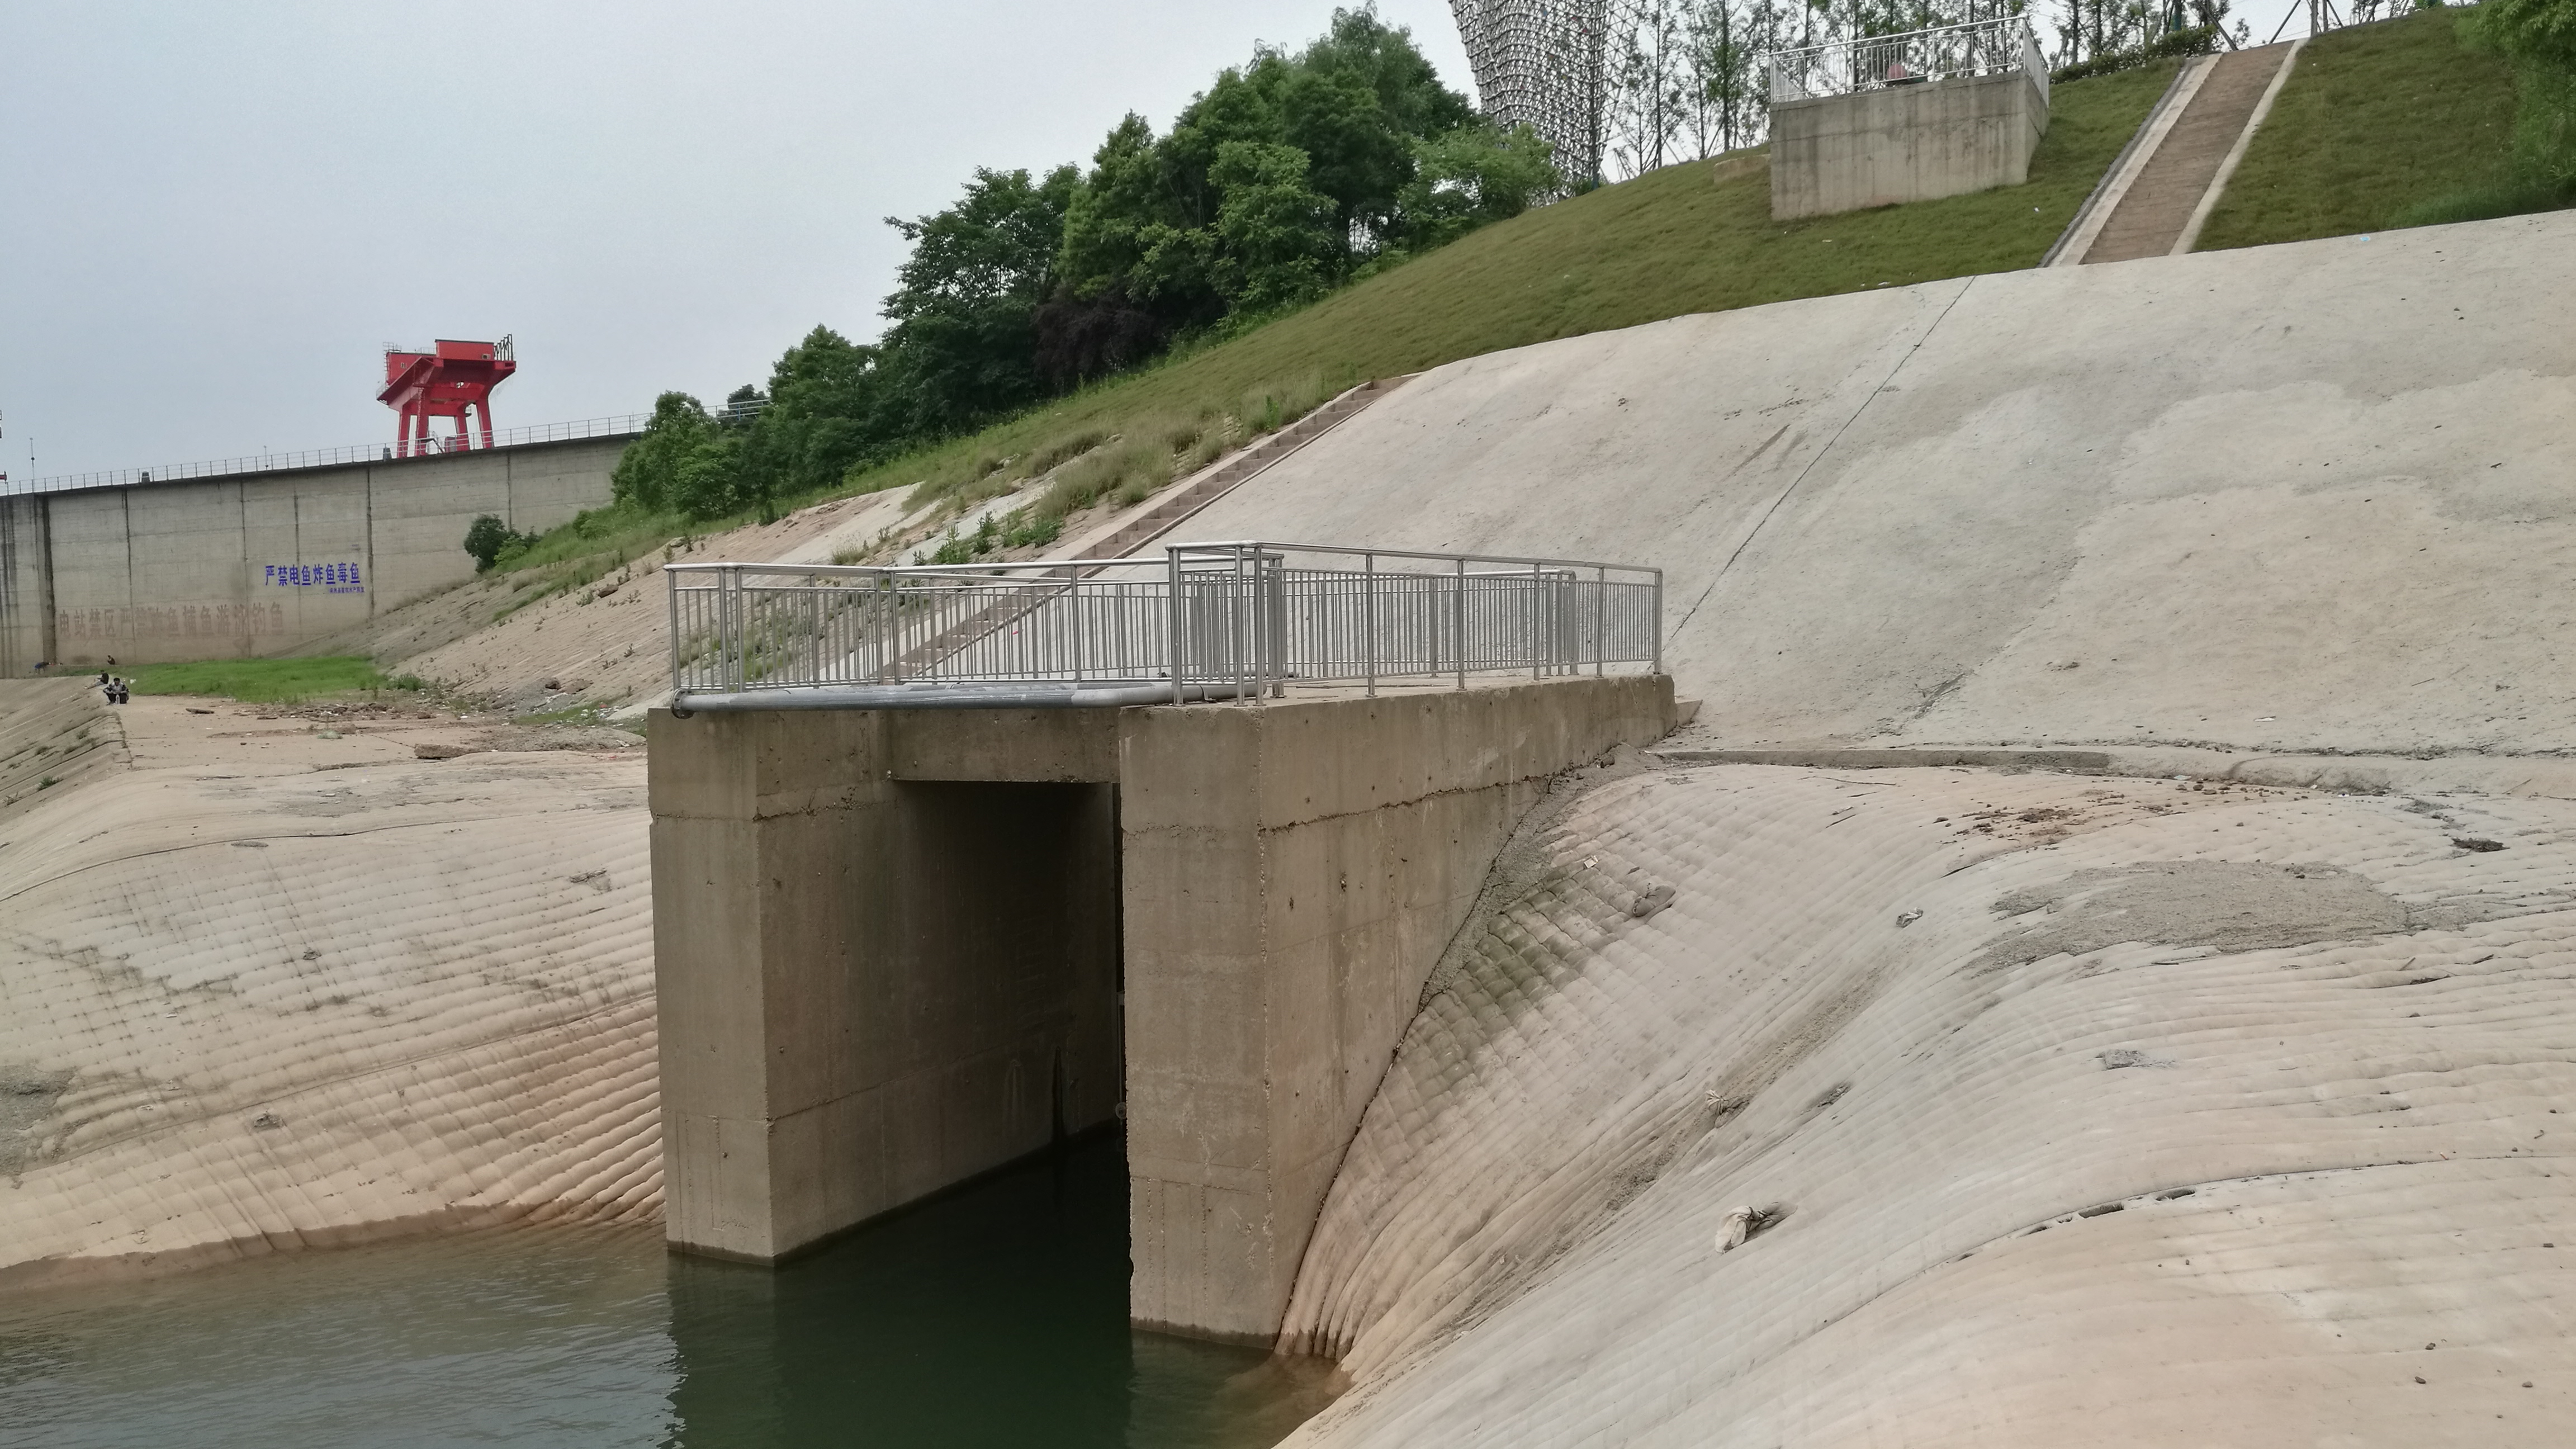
(896, 949)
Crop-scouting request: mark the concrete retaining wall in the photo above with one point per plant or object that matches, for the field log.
(261, 562)
(1903, 143)
(1292, 874)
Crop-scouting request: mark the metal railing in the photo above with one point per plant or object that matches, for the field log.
(1845, 67)
(1204, 621)
(624, 426)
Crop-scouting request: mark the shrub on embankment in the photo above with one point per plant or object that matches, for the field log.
(2405, 122)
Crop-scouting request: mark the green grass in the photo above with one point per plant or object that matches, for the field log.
(266, 681)
(1691, 238)
(2376, 123)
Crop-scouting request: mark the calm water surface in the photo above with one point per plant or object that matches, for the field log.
(996, 1316)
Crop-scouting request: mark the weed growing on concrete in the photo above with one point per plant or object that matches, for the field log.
(270, 681)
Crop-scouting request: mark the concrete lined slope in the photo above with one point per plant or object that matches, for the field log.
(54, 733)
(2300, 497)
(2312, 1052)
(239, 1011)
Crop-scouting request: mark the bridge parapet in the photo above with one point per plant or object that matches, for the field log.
(1237, 620)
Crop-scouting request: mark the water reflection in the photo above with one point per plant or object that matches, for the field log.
(994, 1316)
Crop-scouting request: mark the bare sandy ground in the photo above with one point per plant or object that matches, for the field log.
(2081, 1111)
(285, 982)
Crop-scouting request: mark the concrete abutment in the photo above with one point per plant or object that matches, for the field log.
(897, 949)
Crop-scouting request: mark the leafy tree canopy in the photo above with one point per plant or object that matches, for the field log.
(2534, 30)
(1274, 185)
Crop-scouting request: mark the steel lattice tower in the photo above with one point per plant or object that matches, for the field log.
(1539, 62)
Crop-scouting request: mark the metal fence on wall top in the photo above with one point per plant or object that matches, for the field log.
(1204, 621)
(627, 426)
(1844, 67)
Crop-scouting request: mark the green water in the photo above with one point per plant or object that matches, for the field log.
(994, 1316)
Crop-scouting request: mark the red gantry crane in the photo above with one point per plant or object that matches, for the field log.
(442, 383)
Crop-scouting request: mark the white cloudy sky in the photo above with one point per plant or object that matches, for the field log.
(213, 216)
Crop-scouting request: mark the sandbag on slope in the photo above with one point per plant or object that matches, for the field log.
(239, 1011)
(2091, 1112)
(2307, 496)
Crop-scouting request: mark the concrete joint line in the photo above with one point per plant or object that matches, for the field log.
(2087, 226)
(1759, 523)
(1266, 831)
(2227, 169)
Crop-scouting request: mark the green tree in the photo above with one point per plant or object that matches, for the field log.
(825, 413)
(1277, 231)
(2531, 30)
(1471, 176)
(1155, 231)
(485, 537)
(2539, 37)
(962, 344)
(647, 473)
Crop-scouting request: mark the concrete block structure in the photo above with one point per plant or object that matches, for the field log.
(1904, 143)
(257, 563)
(897, 948)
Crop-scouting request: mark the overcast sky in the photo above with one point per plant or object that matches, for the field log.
(213, 217)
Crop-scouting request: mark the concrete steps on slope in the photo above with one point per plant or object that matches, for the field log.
(2160, 192)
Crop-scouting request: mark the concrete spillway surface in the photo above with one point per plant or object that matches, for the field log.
(2288, 498)
(2067, 1110)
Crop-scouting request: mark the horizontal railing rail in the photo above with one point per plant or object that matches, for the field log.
(614, 427)
(1877, 62)
(1205, 620)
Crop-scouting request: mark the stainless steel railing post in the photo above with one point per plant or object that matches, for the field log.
(1655, 620)
(1368, 606)
(671, 587)
(1173, 642)
(1462, 623)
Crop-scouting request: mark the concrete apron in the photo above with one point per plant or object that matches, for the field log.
(897, 949)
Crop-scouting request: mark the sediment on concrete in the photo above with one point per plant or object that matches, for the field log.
(1854, 758)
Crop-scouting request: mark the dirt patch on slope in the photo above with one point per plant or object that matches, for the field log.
(2226, 905)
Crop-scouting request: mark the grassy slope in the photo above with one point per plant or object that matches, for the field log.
(1696, 237)
(2374, 120)
(261, 681)
(1670, 242)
